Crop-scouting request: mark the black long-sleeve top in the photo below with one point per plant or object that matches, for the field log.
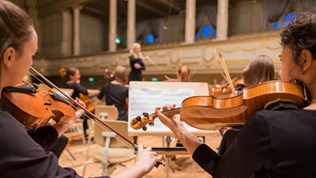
(115, 95)
(21, 156)
(272, 144)
(136, 74)
(77, 89)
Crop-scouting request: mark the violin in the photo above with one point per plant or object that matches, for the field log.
(209, 112)
(34, 105)
(87, 112)
(87, 102)
(220, 91)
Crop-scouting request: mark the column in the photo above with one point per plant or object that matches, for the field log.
(222, 19)
(131, 32)
(30, 7)
(190, 21)
(66, 33)
(113, 25)
(76, 43)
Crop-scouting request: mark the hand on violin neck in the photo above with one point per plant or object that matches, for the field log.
(190, 141)
(173, 122)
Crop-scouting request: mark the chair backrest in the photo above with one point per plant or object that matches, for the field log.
(118, 126)
(67, 91)
(112, 112)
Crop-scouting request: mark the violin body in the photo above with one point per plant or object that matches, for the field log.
(209, 112)
(34, 108)
(220, 91)
(87, 102)
(236, 110)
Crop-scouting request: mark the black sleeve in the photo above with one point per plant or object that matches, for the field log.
(45, 136)
(132, 61)
(81, 89)
(21, 156)
(209, 162)
(102, 93)
(249, 152)
(142, 64)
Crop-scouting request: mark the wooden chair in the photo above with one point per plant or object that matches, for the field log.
(103, 112)
(107, 112)
(112, 152)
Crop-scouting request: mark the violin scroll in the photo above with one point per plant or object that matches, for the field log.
(141, 122)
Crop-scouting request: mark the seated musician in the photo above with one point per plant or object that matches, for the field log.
(272, 143)
(20, 155)
(79, 91)
(115, 93)
(260, 69)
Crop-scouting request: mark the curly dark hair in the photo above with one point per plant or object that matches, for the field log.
(301, 34)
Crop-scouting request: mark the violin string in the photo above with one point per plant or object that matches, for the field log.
(87, 113)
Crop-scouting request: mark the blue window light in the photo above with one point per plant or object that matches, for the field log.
(276, 25)
(197, 35)
(150, 38)
(215, 32)
(289, 17)
(206, 31)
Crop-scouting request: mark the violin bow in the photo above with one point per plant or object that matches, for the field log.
(224, 66)
(87, 112)
(153, 63)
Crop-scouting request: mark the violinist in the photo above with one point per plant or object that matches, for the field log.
(73, 76)
(260, 69)
(183, 75)
(272, 143)
(115, 93)
(20, 155)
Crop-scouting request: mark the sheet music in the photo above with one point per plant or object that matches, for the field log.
(147, 99)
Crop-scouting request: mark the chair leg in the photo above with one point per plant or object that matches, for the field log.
(90, 136)
(70, 154)
(91, 161)
(105, 170)
(108, 170)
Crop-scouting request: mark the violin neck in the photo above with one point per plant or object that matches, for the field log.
(171, 112)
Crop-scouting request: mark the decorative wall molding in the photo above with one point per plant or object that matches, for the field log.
(202, 58)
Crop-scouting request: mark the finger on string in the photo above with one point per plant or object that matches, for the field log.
(140, 147)
(165, 107)
(148, 148)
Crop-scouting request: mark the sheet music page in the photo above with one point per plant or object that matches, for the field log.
(147, 99)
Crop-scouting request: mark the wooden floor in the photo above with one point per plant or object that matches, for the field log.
(180, 167)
